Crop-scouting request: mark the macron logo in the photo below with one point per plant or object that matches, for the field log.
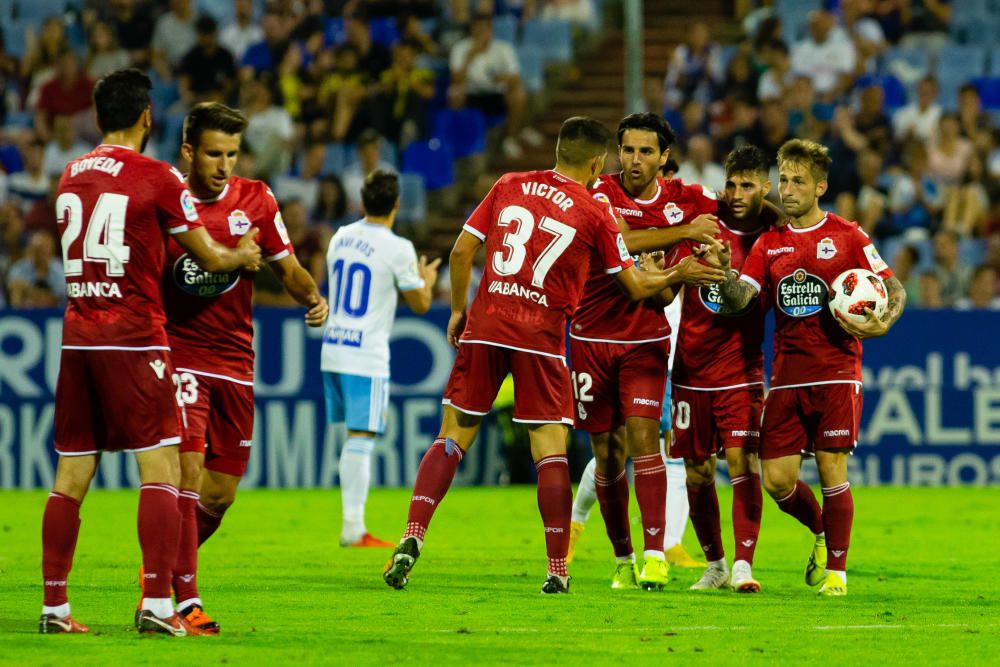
(425, 499)
(747, 543)
(646, 401)
(837, 552)
(158, 367)
(781, 250)
(652, 531)
(837, 433)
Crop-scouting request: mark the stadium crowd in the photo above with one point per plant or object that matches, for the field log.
(335, 88)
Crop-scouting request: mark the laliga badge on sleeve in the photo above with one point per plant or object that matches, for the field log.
(874, 259)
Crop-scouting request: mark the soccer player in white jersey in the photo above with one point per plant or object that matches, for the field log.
(368, 266)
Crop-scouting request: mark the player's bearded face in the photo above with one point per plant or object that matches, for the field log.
(745, 194)
(213, 160)
(641, 159)
(798, 188)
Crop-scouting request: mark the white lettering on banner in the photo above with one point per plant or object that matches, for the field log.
(987, 416)
(937, 432)
(291, 450)
(967, 374)
(25, 355)
(36, 434)
(53, 350)
(892, 416)
(7, 430)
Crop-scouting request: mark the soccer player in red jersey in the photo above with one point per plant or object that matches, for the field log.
(116, 390)
(718, 383)
(542, 232)
(619, 348)
(210, 326)
(814, 402)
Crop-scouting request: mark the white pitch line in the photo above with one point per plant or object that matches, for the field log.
(734, 628)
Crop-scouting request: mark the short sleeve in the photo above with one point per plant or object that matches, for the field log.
(273, 238)
(176, 205)
(610, 245)
(755, 267)
(404, 268)
(704, 200)
(867, 256)
(481, 219)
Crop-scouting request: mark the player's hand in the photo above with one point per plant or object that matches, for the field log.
(694, 272)
(715, 253)
(318, 311)
(703, 228)
(872, 327)
(456, 325)
(428, 270)
(249, 250)
(651, 261)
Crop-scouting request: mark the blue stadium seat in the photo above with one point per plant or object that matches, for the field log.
(464, 130)
(338, 156)
(553, 38)
(971, 251)
(989, 91)
(961, 63)
(994, 69)
(383, 31)
(334, 32)
(977, 29)
(505, 28)
(412, 198)
(15, 36)
(223, 12)
(906, 64)
(895, 92)
(32, 12)
(431, 159)
(793, 14)
(532, 68)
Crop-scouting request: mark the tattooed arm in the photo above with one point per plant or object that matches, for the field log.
(874, 327)
(736, 294)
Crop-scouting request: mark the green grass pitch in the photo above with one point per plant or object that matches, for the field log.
(923, 589)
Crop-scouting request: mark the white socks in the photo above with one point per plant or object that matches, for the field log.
(355, 478)
(60, 611)
(586, 494)
(161, 607)
(677, 503)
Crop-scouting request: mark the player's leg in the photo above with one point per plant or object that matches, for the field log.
(583, 502)
(367, 402)
(678, 509)
(611, 486)
(705, 517)
(744, 475)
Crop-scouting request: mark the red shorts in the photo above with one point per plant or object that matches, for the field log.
(798, 420)
(615, 381)
(220, 421)
(708, 422)
(108, 400)
(542, 390)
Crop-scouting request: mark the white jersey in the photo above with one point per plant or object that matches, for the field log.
(367, 265)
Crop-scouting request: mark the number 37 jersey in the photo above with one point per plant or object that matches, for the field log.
(114, 209)
(367, 265)
(542, 232)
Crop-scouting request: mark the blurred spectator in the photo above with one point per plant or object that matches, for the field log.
(577, 12)
(41, 216)
(871, 122)
(264, 55)
(9, 76)
(889, 15)
(669, 169)
(771, 129)
(870, 202)
(929, 295)
(967, 205)
(67, 94)
(42, 52)
(342, 94)
(399, 107)
(919, 120)
(864, 31)
(63, 147)
(308, 241)
(369, 159)
(173, 36)
(827, 55)
(926, 23)
(904, 265)
(133, 24)
(373, 58)
(242, 32)
(977, 126)
(207, 72)
(305, 186)
(696, 69)
(953, 275)
(741, 79)
(914, 197)
(411, 30)
(270, 130)
(290, 79)
(486, 75)
(698, 166)
(948, 155)
(331, 206)
(104, 56)
(982, 290)
(32, 184)
(12, 235)
(36, 280)
(776, 80)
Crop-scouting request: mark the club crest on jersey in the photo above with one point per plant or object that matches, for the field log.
(193, 279)
(239, 223)
(673, 213)
(802, 294)
(711, 298)
(825, 249)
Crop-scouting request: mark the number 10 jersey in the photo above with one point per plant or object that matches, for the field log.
(368, 265)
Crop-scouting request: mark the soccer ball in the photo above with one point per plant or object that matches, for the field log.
(857, 289)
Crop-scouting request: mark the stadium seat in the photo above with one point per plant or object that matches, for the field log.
(895, 92)
(532, 68)
(412, 198)
(907, 65)
(971, 252)
(383, 31)
(334, 31)
(431, 159)
(505, 28)
(464, 130)
(337, 158)
(960, 63)
(223, 12)
(15, 36)
(989, 91)
(994, 67)
(32, 12)
(793, 14)
(975, 29)
(553, 38)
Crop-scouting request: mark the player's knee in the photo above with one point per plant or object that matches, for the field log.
(699, 473)
(643, 439)
(218, 500)
(778, 483)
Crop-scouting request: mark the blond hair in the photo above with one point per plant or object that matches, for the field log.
(808, 153)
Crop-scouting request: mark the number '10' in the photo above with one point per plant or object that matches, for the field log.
(350, 288)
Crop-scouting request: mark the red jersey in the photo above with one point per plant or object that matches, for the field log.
(115, 208)
(718, 350)
(543, 234)
(605, 313)
(209, 317)
(796, 266)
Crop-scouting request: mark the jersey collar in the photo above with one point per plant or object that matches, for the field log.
(805, 230)
(218, 197)
(644, 202)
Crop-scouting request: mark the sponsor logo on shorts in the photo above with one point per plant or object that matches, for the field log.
(780, 251)
(341, 336)
(425, 499)
(802, 294)
(837, 433)
(646, 401)
(158, 367)
(711, 298)
(745, 434)
(513, 289)
(246, 443)
(193, 279)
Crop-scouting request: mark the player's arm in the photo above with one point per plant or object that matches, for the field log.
(873, 327)
(702, 228)
(419, 299)
(300, 285)
(460, 272)
(736, 292)
(215, 257)
(687, 271)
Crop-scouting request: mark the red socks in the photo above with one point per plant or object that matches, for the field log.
(60, 528)
(612, 495)
(704, 512)
(801, 503)
(555, 503)
(747, 505)
(207, 521)
(185, 571)
(159, 534)
(651, 492)
(434, 477)
(838, 516)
